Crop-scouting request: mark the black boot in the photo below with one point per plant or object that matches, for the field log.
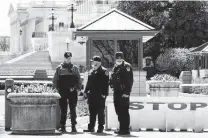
(62, 129)
(122, 132)
(73, 128)
(89, 130)
(100, 131)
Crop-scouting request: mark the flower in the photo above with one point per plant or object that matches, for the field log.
(33, 88)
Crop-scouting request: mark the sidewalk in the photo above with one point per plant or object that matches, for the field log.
(107, 134)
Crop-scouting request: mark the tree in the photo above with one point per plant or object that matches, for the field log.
(154, 13)
(188, 24)
(174, 60)
(181, 23)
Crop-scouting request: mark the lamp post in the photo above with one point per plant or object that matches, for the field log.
(52, 18)
(72, 11)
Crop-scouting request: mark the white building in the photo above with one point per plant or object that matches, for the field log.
(30, 25)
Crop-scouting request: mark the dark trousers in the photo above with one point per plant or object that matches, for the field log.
(121, 105)
(96, 107)
(70, 98)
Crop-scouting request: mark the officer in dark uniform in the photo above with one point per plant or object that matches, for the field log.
(97, 90)
(121, 81)
(67, 81)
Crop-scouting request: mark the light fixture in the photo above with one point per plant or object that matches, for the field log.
(20, 32)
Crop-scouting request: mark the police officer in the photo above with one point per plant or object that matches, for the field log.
(121, 81)
(97, 90)
(67, 81)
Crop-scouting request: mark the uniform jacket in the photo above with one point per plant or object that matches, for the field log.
(63, 70)
(122, 78)
(97, 83)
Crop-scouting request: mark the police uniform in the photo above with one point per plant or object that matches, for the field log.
(97, 90)
(121, 81)
(67, 81)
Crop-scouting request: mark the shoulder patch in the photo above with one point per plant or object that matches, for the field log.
(128, 69)
(106, 73)
(103, 68)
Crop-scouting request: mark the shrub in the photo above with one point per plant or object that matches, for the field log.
(164, 84)
(175, 60)
(25, 83)
(33, 88)
(200, 80)
(199, 90)
(164, 77)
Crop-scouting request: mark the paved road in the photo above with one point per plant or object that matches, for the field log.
(108, 134)
(111, 135)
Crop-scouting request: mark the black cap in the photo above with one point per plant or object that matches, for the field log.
(119, 55)
(96, 58)
(67, 54)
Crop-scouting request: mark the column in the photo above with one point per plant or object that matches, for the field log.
(115, 49)
(195, 62)
(18, 36)
(140, 54)
(11, 39)
(30, 28)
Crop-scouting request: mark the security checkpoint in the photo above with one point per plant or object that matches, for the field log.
(146, 112)
(163, 113)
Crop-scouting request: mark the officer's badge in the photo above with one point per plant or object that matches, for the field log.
(128, 69)
(106, 73)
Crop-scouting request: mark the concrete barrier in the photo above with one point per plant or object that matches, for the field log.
(163, 113)
(185, 77)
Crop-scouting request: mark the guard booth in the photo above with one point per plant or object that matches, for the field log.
(116, 31)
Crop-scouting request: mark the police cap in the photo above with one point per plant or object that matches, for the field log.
(119, 55)
(96, 58)
(67, 54)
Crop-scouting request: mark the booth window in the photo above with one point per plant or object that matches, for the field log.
(130, 50)
(104, 49)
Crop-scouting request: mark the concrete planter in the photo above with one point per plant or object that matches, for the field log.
(164, 92)
(164, 88)
(33, 113)
(203, 73)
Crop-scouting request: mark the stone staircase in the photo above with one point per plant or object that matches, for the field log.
(26, 65)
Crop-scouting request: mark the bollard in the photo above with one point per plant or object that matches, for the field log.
(58, 115)
(9, 87)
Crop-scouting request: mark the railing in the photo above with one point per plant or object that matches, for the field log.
(39, 35)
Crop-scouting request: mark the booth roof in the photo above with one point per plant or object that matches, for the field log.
(117, 22)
